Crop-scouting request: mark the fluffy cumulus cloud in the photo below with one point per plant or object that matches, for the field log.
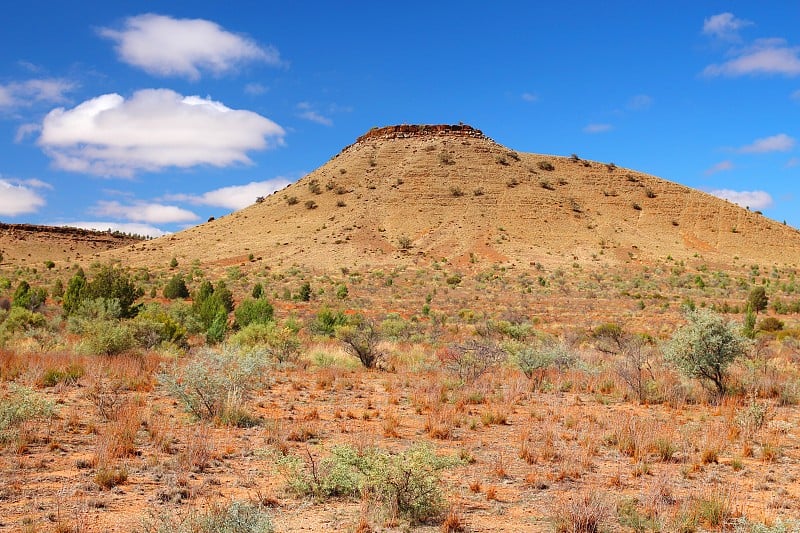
(167, 46)
(722, 166)
(751, 199)
(765, 56)
(18, 197)
(724, 26)
(125, 227)
(25, 93)
(235, 196)
(597, 128)
(152, 213)
(153, 129)
(776, 143)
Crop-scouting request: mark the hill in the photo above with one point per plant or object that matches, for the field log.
(415, 194)
(32, 245)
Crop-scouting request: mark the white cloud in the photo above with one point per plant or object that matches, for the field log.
(530, 97)
(597, 128)
(751, 199)
(776, 143)
(154, 129)
(235, 196)
(724, 26)
(18, 196)
(144, 212)
(25, 131)
(719, 167)
(640, 102)
(792, 162)
(125, 227)
(307, 112)
(26, 93)
(795, 95)
(255, 89)
(166, 46)
(765, 56)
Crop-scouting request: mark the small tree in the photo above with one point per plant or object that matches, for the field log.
(705, 347)
(757, 299)
(305, 292)
(176, 288)
(361, 338)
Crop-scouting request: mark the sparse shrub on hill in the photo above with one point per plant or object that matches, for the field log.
(58, 288)
(757, 299)
(19, 320)
(770, 324)
(326, 321)
(253, 312)
(218, 328)
(546, 166)
(304, 294)
(258, 291)
(176, 288)
(705, 347)
(209, 300)
(154, 326)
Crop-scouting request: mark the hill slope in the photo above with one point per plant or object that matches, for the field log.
(414, 194)
(27, 244)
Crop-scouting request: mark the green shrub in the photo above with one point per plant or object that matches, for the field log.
(281, 342)
(407, 484)
(229, 517)
(20, 405)
(705, 347)
(20, 319)
(471, 359)
(341, 291)
(361, 338)
(326, 322)
(106, 337)
(213, 381)
(219, 326)
(258, 291)
(253, 312)
(304, 294)
(176, 288)
(154, 326)
(69, 376)
(109, 283)
(770, 324)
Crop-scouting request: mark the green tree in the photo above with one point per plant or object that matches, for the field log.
(361, 338)
(58, 288)
(705, 347)
(757, 299)
(22, 296)
(305, 292)
(219, 326)
(176, 288)
(253, 312)
(111, 282)
(258, 291)
(75, 292)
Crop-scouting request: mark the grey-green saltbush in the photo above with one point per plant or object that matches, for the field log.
(405, 483)
(214, 381)
(21, 404)
(230, 517)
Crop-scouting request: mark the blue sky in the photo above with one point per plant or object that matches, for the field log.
(151, 117)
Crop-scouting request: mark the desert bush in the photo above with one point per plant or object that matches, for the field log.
(253, 312)
(757, 299)
(407, 484)
(361, 337)
(635, 368)
(19, 405)
(106, 337)
(280, 341)
(545, 165)
(176, 288)
(154, 326)
(222, 517)
(213, 380)
(68, 375)
(29, 298)
(586, 512)
(404, 241)
(20, 319)
(471, 359)
(770, 324)
(705, 347)
(326, 321)
(304, 294)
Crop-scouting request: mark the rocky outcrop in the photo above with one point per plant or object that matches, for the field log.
(404, 131)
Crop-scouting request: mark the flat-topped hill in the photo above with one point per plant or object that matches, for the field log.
(415, 193)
